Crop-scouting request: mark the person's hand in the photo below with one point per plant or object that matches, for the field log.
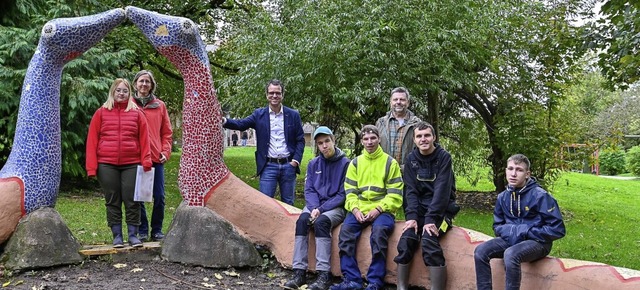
(224, 120)
(293, 163)
(372, 215)
(315, 214)
(410, 224)
(431, 230)
(163, 159)
(358, 214)
(146, 168)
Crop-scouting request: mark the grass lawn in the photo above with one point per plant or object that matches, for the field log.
(601, 214)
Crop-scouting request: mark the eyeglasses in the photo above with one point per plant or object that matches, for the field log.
(122, 91)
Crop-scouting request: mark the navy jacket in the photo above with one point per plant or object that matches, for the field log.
(528, 213)
(429, 185)
(259, 120)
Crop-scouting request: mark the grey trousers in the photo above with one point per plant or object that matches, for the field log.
(329, 220)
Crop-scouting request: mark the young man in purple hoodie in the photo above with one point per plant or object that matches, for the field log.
(324, 209)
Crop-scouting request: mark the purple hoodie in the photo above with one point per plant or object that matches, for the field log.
(324, 183)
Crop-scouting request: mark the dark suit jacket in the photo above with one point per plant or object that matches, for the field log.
(259, 120)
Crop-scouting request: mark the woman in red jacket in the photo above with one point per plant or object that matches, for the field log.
(160, 141)
(118, 141)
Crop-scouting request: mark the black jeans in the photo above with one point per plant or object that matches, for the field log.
(118, 183)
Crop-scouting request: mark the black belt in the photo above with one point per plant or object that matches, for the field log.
(278, 160)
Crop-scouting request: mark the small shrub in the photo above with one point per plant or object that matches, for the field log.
(633, 160)
(612, 162)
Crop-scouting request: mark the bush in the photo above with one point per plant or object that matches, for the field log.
(633, 160)
(612, 162)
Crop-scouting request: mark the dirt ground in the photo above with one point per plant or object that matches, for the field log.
(124, 272)
(103, 273)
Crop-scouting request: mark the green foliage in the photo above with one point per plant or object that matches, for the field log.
(633, 160)
(617, 34)
(612, 162)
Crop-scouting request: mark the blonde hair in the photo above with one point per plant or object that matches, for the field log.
(112, 92)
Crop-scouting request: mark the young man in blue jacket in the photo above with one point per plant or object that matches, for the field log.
(324, 209)
(526, 221)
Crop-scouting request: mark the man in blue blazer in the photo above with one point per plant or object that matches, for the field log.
(280, 143)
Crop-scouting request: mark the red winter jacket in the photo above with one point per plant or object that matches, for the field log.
(117, 137)
(160, 131)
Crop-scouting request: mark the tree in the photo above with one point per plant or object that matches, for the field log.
(617, 34)
(461, 59)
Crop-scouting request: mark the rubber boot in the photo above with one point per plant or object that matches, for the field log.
(299, 279)
(438, 276)
(403, 277)
(133, 236)
(116, 230)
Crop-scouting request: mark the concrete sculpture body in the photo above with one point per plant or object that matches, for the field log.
(204, 179)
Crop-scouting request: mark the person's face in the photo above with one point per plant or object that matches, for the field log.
(325, 145)
(122, 93)
(424, 140)
(517, 174)
(274, 95)
(399, 102)
(370, 142)
(143, 85)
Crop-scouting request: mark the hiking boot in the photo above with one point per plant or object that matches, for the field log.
(322, 282)
(347, 285)
(299, 279)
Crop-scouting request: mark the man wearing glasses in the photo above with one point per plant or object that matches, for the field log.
(280, 143)
(430, 206)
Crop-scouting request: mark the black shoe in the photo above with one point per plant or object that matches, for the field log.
(143, 236)
(157, 237)
(323, 282)
(299, 279)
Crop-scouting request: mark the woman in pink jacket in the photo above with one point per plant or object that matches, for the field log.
(118, 141)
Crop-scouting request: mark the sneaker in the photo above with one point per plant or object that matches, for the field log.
(143, 236)
(374, 287)
(157, 236)
(322, 282)
(347, 285)
(299, 279)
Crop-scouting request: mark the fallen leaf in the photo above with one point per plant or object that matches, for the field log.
(119, 266)
(232, 273)
(240, 283)
(5, 284)
(205, 279)
(135, 270)
(218, 276)
(208, 285)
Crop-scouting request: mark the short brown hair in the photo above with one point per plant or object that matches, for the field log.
(369, 129)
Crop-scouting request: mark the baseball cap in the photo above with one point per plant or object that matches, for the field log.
(322, 130)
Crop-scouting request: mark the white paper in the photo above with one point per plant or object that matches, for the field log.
(144, 185)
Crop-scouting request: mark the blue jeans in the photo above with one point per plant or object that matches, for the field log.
(157, 215)
(525, 251)
(275, 174)
(381, 229)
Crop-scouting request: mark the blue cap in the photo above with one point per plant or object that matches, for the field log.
(322, 130)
